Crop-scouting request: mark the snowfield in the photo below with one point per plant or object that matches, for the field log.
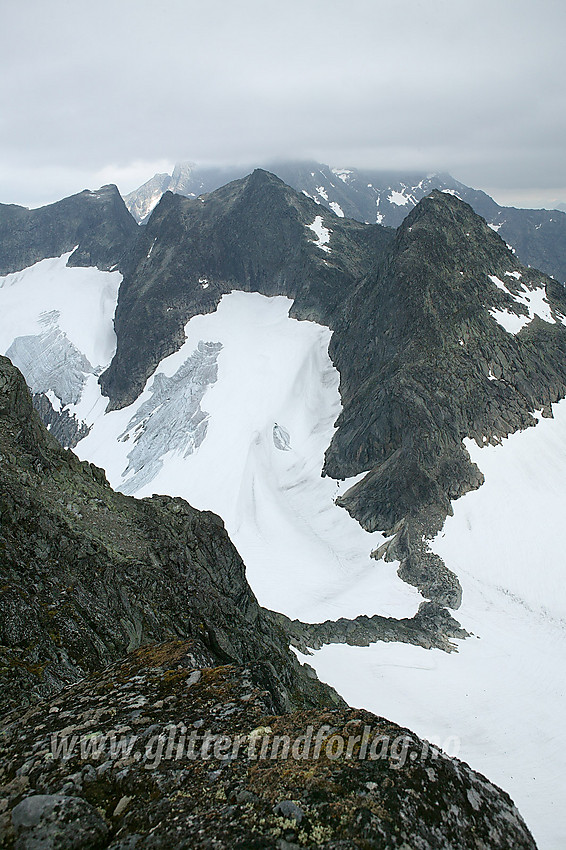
(85, 299)
(322, 234)
(500, 703)
(238, 420)
(244, 435)
(533, 299)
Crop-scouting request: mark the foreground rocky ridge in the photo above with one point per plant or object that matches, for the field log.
(164, 748)
(87, 574)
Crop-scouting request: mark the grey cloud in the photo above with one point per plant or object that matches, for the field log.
(471, 87)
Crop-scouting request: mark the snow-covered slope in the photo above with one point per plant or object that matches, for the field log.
(56, 326)
(237, 421)
(501, 701)
(143, 201)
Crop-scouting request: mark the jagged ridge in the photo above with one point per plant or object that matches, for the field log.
(417, 376)
(87, 573)
(250, 235)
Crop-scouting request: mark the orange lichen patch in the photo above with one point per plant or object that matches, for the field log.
(160, 655)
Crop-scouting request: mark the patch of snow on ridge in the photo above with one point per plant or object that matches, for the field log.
(511, 322)
(533, 299)
(322, 234)
(502, 697)
(343, 173)
(270, 417)
(398, 198)
(336, 208)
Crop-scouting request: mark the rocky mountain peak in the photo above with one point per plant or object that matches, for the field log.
(254, 234)
(439, 358)
(382, 197)
(96, 224)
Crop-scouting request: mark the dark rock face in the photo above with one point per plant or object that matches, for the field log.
(252, 235)
(538, 237)
(423, 364)
(383, 197)
(432, 627)
(97, 224)
(87, 573)
(165, 749)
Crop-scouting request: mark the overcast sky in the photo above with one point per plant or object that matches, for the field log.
(115, 90)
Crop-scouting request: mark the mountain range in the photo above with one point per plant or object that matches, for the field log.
(376, 413)
(380, 197)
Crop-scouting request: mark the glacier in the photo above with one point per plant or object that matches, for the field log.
(237, 421)
(266, 416)
(500, 702)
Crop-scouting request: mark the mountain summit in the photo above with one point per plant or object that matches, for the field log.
(381, 197)
(95, 226)
(254, 235)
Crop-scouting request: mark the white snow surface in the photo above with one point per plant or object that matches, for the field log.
(398, 198)
(343, 174)
(533, 299)
(268, 416)
(85, 299)
(56, 325)
(336, 208)
(322, 234)
(502, 697)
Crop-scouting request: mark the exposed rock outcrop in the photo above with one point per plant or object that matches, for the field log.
(252, 235)
(87, 574)
(164, 749)
(96, 224)
(424, 362)
(383, 197)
